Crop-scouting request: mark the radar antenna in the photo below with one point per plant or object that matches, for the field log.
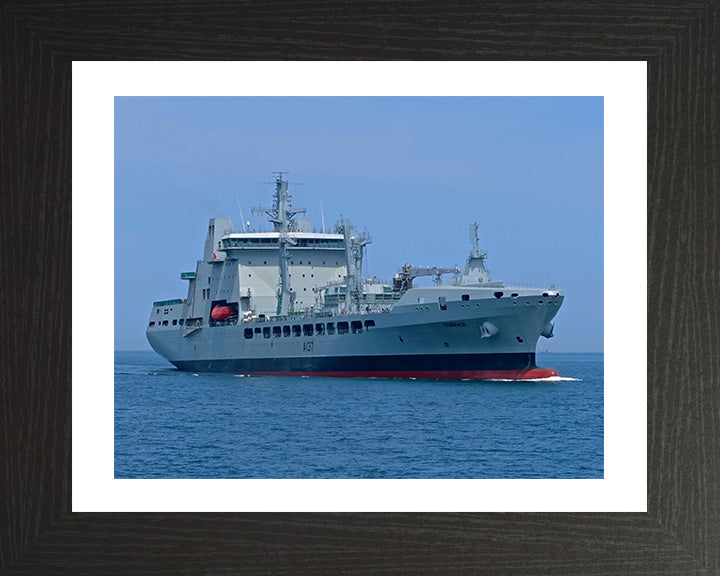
(281, 212)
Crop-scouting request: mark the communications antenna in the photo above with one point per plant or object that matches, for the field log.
(322, 216)
(242, 219)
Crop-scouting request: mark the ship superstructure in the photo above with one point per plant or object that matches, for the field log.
(293, 301)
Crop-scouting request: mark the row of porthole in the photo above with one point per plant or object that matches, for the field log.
(515, 295)
(163, 323)
(550, 303)
(319, 329)
(190, 321)
(421, 308)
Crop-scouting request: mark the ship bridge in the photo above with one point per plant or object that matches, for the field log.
(270, 240)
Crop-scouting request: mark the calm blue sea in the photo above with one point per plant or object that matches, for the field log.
(171, 424)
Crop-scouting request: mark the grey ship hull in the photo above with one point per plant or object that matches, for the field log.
(471, 329)
(475, 335)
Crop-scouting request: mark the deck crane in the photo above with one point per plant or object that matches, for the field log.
(403, 280)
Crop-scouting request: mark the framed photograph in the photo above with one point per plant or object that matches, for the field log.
(62, 518)
(433, 159)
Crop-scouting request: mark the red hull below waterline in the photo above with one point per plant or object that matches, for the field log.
(530, 374)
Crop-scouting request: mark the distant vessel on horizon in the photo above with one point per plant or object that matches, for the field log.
(293, 301)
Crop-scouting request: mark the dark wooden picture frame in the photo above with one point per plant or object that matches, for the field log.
(680, 533)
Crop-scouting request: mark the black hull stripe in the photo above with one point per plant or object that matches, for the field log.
(364, 364)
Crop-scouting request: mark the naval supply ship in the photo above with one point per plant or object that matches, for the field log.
(293, 301)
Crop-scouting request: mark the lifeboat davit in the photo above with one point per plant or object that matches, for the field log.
(222, 312)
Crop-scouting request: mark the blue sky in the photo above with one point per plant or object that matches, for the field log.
(415, 171)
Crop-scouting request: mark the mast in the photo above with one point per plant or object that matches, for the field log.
(475, 270)
(474, 240)
(354, 252)
(280, 215)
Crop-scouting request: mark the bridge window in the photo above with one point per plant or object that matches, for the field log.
(296, 329)
(319, 329)
(442, 302)
(342, 327)
(369, 323)
(331, 328)
(307, 329)
(356, 326)
(266, 332)
(248, 333)
(182, 321)
(286, 331)
(257, 330)
(276, 332)
(152, 324)
(465, 297)
(174, 322)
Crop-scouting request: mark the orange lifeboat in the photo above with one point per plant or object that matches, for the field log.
(222, 312)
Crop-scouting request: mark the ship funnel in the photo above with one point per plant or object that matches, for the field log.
(217, 228)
